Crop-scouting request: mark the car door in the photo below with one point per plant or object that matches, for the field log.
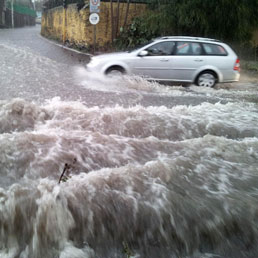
(158, 63)
(188, 57)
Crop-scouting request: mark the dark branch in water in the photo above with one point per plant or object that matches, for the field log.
(126, 250)
(66, 169)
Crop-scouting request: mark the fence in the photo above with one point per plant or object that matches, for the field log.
(21, 16)
(20, 9)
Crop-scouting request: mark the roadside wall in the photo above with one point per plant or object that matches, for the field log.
(78, 30)
(2, 14)
(52, 23)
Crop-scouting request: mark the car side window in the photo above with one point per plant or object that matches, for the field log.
(214, 49)
(161, 49)
(183, 48)
(188, 48)
(196, 49)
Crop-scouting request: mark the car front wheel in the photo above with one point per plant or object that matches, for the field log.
(206, 79)
(115, 71)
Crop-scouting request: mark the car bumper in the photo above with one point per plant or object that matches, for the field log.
(233, 76)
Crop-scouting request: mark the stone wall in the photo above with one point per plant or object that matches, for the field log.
(78, 30)
(52, 23)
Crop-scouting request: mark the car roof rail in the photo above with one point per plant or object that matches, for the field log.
(187, 38)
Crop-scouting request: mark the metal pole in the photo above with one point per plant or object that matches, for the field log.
(12, 15)
(94, 39)
(64, 25)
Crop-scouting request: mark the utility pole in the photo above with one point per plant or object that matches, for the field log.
(12, 14)
(64, 20)
(94, 19)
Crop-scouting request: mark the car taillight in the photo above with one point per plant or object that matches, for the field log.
(237, 65)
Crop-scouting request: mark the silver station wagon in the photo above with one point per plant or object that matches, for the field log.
(201, 61)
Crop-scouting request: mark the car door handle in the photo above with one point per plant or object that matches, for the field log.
(164, 60)
(198, 60)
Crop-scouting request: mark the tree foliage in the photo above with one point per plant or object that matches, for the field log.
(137, 33)
(228, 20)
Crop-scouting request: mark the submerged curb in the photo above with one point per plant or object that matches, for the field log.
(65, 47)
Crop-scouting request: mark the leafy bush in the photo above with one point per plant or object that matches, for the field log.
(138, 33)
(229, 20)
(249, 65)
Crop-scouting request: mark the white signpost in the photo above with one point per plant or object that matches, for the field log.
(94, 18)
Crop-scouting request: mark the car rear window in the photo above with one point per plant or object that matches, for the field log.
(214, 49)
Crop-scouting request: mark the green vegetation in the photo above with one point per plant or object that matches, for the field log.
(228, 20)
(249, 66)
(136, 34)
(126, 250)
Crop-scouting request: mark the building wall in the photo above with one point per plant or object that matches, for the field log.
(78, 29)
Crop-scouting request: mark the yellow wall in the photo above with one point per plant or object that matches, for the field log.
(52, 23)
(78, 29)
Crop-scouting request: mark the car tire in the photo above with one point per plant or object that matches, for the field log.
(115, 71)
(206, 79)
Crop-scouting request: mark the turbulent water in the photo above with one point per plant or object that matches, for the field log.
(144, 181)
(151, 171)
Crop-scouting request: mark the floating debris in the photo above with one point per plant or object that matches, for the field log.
(66, 170)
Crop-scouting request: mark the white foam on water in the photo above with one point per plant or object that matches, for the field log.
(141, 174)
(70, 251)
(96, 81)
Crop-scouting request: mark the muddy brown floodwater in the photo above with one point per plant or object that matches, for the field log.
(160, 171)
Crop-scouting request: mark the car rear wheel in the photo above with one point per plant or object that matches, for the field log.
(115, 71)
(206, 79)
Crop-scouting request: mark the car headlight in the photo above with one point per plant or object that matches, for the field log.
(93, 63)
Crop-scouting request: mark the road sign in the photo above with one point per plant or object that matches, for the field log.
(94, 6)
(94, 18)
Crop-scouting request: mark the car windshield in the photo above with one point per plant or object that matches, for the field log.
(136, 48)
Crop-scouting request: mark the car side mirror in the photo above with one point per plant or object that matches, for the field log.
(143, 53)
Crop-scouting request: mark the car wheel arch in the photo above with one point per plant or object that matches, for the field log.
(115, 67)
(216, 75)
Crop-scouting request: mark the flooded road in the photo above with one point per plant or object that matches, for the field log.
(154, 170)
